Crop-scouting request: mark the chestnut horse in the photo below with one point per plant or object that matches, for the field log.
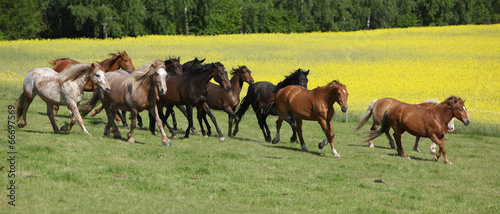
(218, 99)
(255, 91)
(65, 88)
(423, 122)
(132, 92)
(377, 108)
(117, 61)
(315, 105)
(189, 89)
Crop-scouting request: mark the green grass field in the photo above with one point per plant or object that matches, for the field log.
(77, 173)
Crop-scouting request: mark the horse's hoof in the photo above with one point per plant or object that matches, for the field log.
(131, 141)
(175, 137)
(107, 135)
(140, 125)
(435, 158)
(322, 144)
(205, 135)
(407, 157)
(416, 150)
(337, 156)
(448, 163)
(222, 139)
(433, 152)
(269, 140)
(116, 136)
(194, 131)
(275, 141)
(167, 143)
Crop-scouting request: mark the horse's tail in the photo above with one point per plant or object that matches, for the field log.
(266, 102)
(385, 126)
(366, 116)
(243, 107)
(85, 108)
(19, 105)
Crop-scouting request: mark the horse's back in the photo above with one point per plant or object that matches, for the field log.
(63, 64)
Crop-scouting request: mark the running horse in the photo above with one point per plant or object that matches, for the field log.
(132, 92)
(218, 99)
(423, 122)
(315, 105)
(378, 107)
(189, 89)
(64, 88)
(299, 77)
(115, 62)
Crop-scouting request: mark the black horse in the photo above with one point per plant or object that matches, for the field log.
(258, 89)
(189, 89)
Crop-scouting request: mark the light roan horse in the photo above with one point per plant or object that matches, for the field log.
(423, 122)
(133, 92)
(65, 88)
(115, 62)
(377, 108)
(315, 105)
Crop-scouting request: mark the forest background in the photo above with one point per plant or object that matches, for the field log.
(28, 19)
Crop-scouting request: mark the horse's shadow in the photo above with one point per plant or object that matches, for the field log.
(42, 132)
(412, 157)
(364, 145)
(295, 149)
(56, 116)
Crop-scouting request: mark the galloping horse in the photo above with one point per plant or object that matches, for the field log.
(133, 92)
(316, 105)
(65, 88)
(117, 61)
(423, 122)
(377, 109)
(189, 89)
(299, 77)
(218, 99)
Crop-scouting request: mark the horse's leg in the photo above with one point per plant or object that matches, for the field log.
(372, 129)
(68, 126)
(268, 132)
(76, 117)
(189, 111)
(328, 130)
(231, 116)
(26, 100)
(415, 147)
(199, 116)
(163, 118)
(440, 143)
(433, 148)
(212, 117)
(209, 128)
(397, 137)
(290, 119)
(124, 118)
(279, 122)
(110, 113)
(50, 114)
(262, 126)
(56, 109)
(298, 128)
(139, 120)
(96, 111)
(391, 141)
(164, 139)
(133, 121)
(184, 112)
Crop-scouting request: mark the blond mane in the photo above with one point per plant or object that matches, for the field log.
(143, 75)
(75, 71)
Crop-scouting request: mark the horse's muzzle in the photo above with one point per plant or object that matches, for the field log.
(343, 108)
(162, 92)
(227, 89)
(251, 82)
(107, 90)
(466, 122)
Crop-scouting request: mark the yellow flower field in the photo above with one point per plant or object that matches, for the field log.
(412, 65)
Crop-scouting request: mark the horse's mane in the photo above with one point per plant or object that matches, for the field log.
(54, 62)
(188, 66)
(75, 71)
(454, 101)
(110, 61)
(143, 75)
(289, 78)
(334, 83)
(235, 70)
(171, 60)
(205, 67)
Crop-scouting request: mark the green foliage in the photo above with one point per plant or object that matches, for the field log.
(20, 19)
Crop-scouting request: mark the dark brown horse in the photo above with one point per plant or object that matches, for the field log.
(423, 122)
(132, 92)
(299, 77)
(378, 107)
(189, 89)
(315, 105)
(218, 99)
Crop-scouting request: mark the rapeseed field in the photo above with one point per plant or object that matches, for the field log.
(412, 65)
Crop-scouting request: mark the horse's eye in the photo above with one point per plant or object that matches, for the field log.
(125, 60)
(97, 75)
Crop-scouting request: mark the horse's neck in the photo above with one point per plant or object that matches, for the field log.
(444, 112)
(326, 95)
(236, 83)
(203, 78)
(83, 80)
(110, 64)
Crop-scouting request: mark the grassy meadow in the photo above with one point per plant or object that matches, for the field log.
(77, 173)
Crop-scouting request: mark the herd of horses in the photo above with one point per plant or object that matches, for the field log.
(159, 85)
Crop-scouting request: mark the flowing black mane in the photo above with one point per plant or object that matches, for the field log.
(203, 68)
(299, 77)
(188, 66)
(235, 70)
(171, 60)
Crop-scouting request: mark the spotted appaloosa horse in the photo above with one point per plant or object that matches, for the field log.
(132, 92)
(315, 105)
(378, 107)
(423, 122)
(65, 88)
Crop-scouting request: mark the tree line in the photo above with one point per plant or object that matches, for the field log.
(27, 19)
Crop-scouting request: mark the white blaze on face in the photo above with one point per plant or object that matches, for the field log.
(163, 77)
(465, 112)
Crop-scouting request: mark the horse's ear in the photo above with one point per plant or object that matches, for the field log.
(179, 59)
(307, 73)
(203, 60)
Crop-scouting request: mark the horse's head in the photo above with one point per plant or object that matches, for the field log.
(98, 78)
(457, 105)
(188, 66)
(245, 74)
(299, 77)
(451, 125)
(160, 76)
(220, 76)
(173, 66)
(341, 94)
(125, 61)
